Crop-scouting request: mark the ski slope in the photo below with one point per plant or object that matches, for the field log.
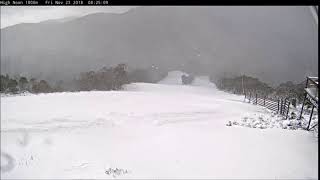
(164, 130)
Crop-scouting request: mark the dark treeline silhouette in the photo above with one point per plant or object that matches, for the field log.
(111, 78)
(22, 84)
(105, 79)
(241, 84)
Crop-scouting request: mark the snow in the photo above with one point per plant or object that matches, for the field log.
(164, 130)
(174, 77)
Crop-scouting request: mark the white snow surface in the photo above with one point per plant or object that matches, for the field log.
(164, 130)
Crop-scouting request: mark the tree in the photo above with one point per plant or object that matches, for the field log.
(23, 83)
(87, 81)
(41, 87)
(104, 79)
(4, 83)
(12, 85)
(44, 86)
(120, 76)
(237, 84)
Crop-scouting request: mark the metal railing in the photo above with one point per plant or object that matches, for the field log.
(311, 95)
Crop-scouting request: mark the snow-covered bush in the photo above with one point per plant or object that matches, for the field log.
(274, 120)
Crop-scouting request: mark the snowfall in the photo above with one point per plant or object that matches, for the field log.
(163, 130)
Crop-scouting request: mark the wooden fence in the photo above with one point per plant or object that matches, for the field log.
(281, 106)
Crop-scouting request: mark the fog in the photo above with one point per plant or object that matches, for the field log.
(275, 44)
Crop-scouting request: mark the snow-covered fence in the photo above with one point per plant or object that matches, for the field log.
(280, 106)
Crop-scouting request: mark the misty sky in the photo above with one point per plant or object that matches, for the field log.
(11, 15)
(273, 43)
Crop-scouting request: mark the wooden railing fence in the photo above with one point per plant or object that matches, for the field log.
(279, 105)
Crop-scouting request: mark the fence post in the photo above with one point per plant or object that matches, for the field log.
(278, 106)
(256, 98)
(264, 101)
(245, 95)
(310, 118)
(249, 96)
(288, 110)
(281, 106)
(305, 97)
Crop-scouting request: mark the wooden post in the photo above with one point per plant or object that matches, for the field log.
(256, 98)
(245, 95)
(264, 101)
(249, 96)
(278, 106)
(242, 84)
(310, 118)
(288, 110)
(282, 106)
(281, 101)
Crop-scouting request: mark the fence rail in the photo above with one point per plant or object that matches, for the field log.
(281, 106)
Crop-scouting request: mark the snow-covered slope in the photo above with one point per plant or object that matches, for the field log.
(165, 130)
(60, 20)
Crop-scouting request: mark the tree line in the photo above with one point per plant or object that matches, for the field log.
(239, 84)
(104, 79)
(22, 84)
(113, 78)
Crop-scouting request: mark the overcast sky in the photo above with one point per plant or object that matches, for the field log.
(11, 15)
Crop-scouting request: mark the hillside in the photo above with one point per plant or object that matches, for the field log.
(275, 44)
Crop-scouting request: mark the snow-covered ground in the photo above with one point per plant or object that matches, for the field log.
(164, 130)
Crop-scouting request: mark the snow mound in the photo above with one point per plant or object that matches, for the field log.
(269, 120)
(174, 77)
(273, 120)
(203, 81)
